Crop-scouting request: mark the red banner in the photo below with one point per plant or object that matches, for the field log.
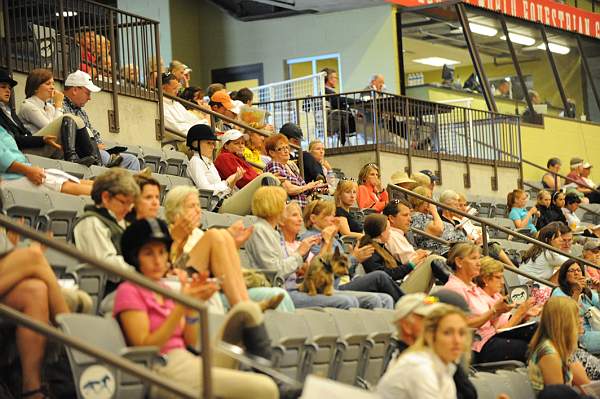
(547, 12)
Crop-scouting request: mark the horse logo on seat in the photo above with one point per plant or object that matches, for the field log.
(97, 382)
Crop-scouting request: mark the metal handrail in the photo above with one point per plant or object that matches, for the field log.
(135, 278)
(506, 266)
(79, 344)
(485, 223)
(242, 125)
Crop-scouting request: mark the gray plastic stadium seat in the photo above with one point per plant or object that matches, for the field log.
(484, 385)
(330, 348)
(353, 332)
(518, 382)
(180, 181)
(105, 334)
(511, 279)
(165, 184)
(213, 219)
(62, 214)
(43, 162)
(289, 333)
(96, 171)
(26, 204)
(75, 169)
(176, 163)
(207, 199)
(499, 210)
(153, 158)
(91, 280)
(380, 332)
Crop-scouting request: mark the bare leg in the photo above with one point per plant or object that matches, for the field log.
(216, 252)
(30, 297)
(73, 188)
(23, 263)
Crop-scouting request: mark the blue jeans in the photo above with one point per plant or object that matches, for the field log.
(591, 341)
(376, 281)
(341, 301)
(261, 293)
(372, 300)
(130, 161)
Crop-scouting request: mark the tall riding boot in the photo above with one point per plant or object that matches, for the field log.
(86, 146)
(68, 134)
(257, 341)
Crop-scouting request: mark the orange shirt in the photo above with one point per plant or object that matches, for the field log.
(368, 198)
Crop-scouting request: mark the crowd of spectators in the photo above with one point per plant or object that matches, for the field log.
(397, 247)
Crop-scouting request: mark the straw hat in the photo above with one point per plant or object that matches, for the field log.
(401, 177)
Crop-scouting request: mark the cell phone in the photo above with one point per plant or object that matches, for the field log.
(215, 280)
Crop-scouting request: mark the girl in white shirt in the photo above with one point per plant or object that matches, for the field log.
(42, 114)
(426, 370)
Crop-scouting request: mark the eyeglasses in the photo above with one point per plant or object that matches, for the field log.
(283, 149)
(124, 202)
(574, 270)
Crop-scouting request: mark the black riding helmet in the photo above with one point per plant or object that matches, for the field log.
(140, 233)
(197, 133)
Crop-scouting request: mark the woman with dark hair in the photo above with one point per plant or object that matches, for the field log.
(147, 203)
(572, 283)
(550, 181)
(377, 234)
(42, 114)
(541, 262)
(147, 318)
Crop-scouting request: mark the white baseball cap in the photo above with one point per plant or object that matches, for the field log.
(417, 303)
(232, 134)
(81, 79)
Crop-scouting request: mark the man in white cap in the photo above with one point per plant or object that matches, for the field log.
(410, 312)
(78, 91)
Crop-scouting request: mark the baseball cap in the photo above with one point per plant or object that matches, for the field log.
(587, 165)
(291, 131)
(417, 303)
(591, 245)
(5, 77)
(222, 97)
(81, 79)
(450, 297)
(431, 175)
(232, 134)
(576, 161)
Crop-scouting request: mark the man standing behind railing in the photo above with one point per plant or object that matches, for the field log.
(377, 83)
(78, 91)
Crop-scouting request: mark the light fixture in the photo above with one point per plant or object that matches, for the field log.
(519, 39)
(555, 48)
(482, 29)
(436, 61)
(67, 14)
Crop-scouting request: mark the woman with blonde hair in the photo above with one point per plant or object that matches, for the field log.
(426, 369)
(215, 250)
(371, 193)
(345, 198)
(554, 342)
(315, 165)
(486, 312)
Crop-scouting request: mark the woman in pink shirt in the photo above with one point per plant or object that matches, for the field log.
(371, 194)
(488, 312)
(148, 319)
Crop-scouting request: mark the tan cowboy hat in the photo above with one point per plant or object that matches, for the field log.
(401, 177)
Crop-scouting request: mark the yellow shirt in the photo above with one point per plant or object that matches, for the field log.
(254, 157)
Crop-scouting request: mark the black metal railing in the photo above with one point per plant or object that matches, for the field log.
(388, 122)
(119, 50)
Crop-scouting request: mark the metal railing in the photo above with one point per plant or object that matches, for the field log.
(485, 224)
(119, 50)
(388, 122)
(506, 266)
(135, 278)
(214, 116)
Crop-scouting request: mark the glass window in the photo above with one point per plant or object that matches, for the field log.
(591, 51)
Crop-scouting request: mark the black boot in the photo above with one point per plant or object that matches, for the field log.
(440, 270)
(257, 341)
(68, 135)
(86, 146)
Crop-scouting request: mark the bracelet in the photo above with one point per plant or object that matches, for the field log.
(191, 320)
(411, 265)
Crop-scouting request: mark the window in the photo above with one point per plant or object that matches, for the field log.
(298, 67)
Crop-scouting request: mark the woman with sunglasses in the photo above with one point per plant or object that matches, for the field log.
(278, 148)
(371, 194)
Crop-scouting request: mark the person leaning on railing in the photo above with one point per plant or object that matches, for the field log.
(177, 118)
(28, 284)
(549, 180)
(149, 319)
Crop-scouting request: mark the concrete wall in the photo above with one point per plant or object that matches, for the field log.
(452, 172)
(136, 116)
(207, 38)
(157, 10)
